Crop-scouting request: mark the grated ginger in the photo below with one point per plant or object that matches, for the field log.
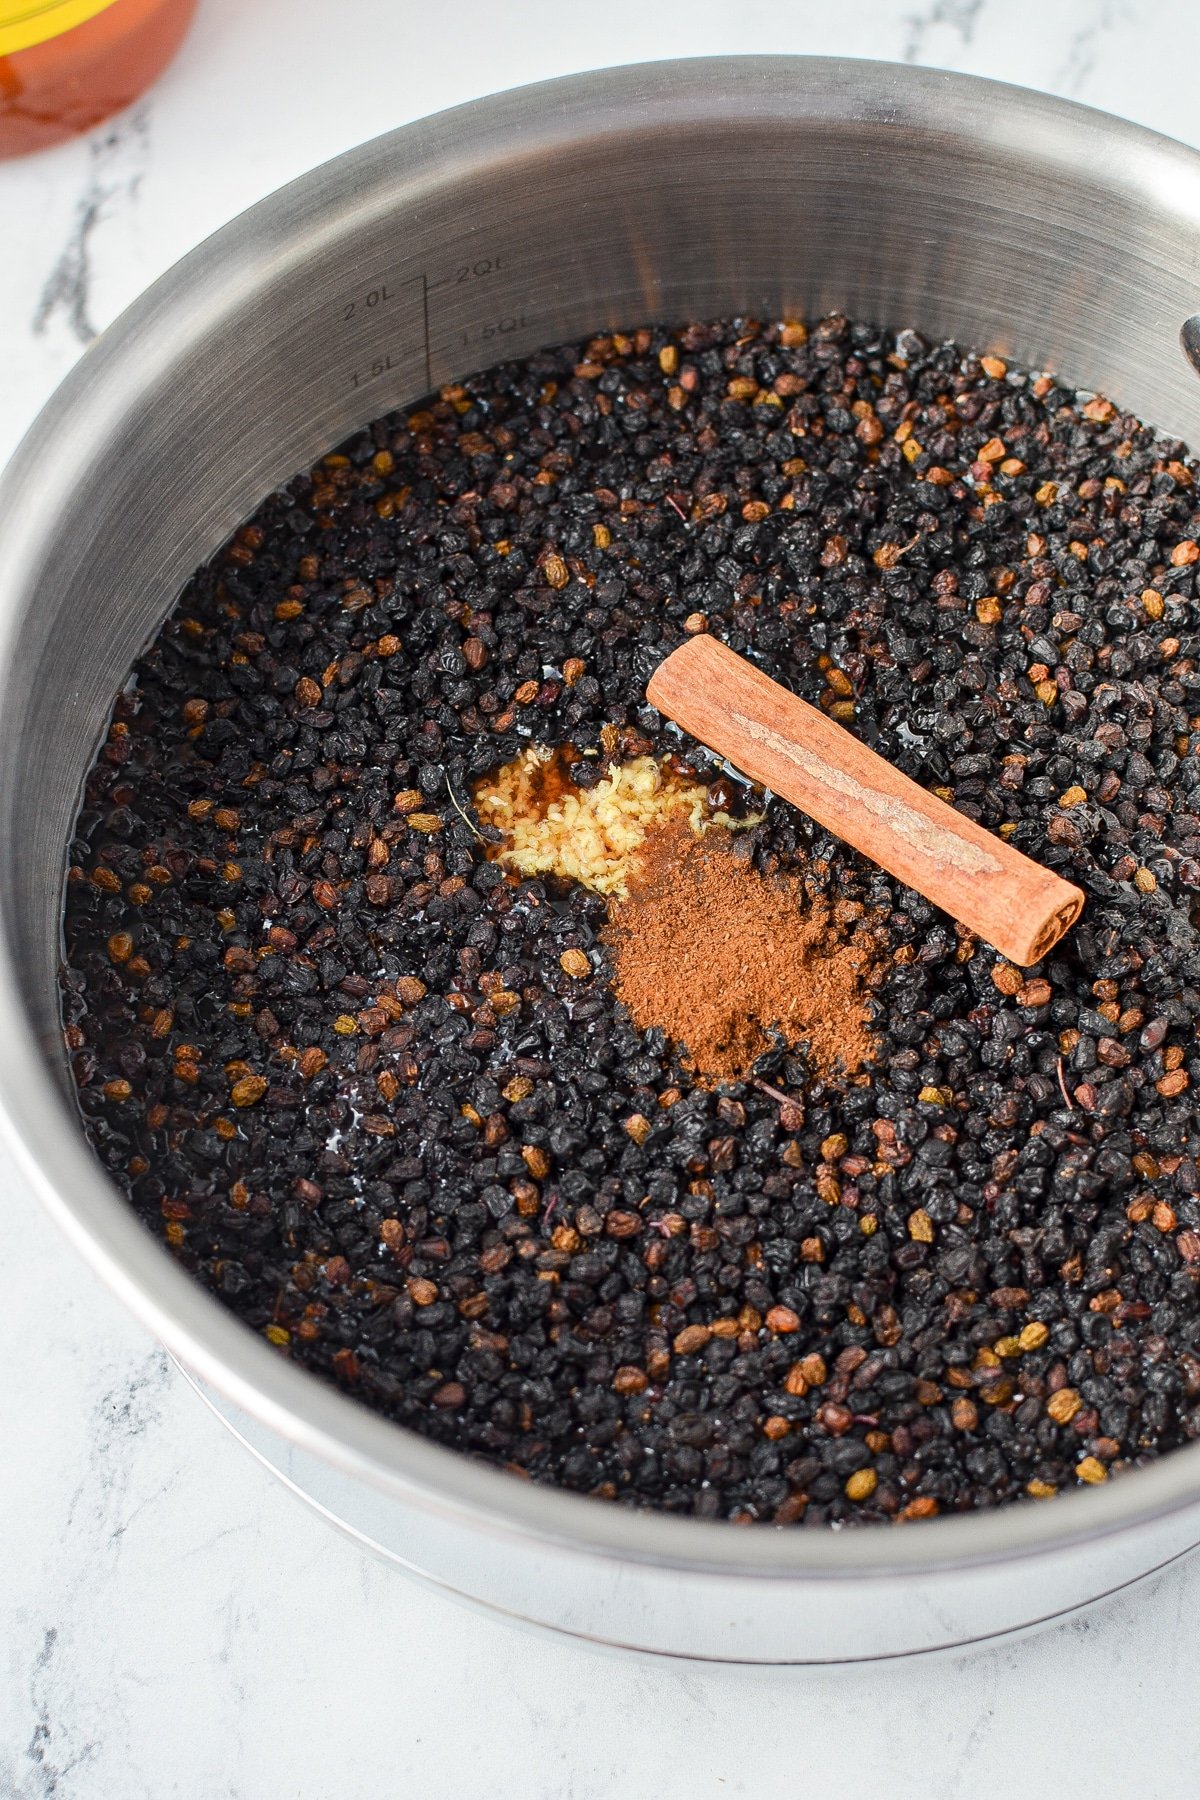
(593, 834)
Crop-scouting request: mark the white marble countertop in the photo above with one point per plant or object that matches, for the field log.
(171, 1621)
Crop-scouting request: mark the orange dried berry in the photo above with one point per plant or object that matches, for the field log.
(1063, 1405)
(964, 1414)
(1008, 979)
(248, 1090)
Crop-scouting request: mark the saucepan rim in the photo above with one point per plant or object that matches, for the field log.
(41, 1128)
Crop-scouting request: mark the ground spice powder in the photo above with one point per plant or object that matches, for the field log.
(720, 956)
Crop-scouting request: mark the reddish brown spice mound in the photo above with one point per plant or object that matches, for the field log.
(717, 954)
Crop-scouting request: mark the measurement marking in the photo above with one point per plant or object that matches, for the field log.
(425, 317)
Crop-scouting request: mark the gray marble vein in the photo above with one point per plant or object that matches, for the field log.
(53, 1758)
(117, 158)
(1086, 45)
(961, 16)
(98, 1513)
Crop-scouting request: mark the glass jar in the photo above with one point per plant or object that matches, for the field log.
(67, 64)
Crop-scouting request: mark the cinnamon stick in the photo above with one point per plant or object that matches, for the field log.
(791, 748)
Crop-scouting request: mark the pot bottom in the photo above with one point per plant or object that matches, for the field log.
(692, 1616)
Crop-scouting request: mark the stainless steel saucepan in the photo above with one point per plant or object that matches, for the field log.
(758, 186)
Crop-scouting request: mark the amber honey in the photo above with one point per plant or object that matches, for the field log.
(66, 65)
